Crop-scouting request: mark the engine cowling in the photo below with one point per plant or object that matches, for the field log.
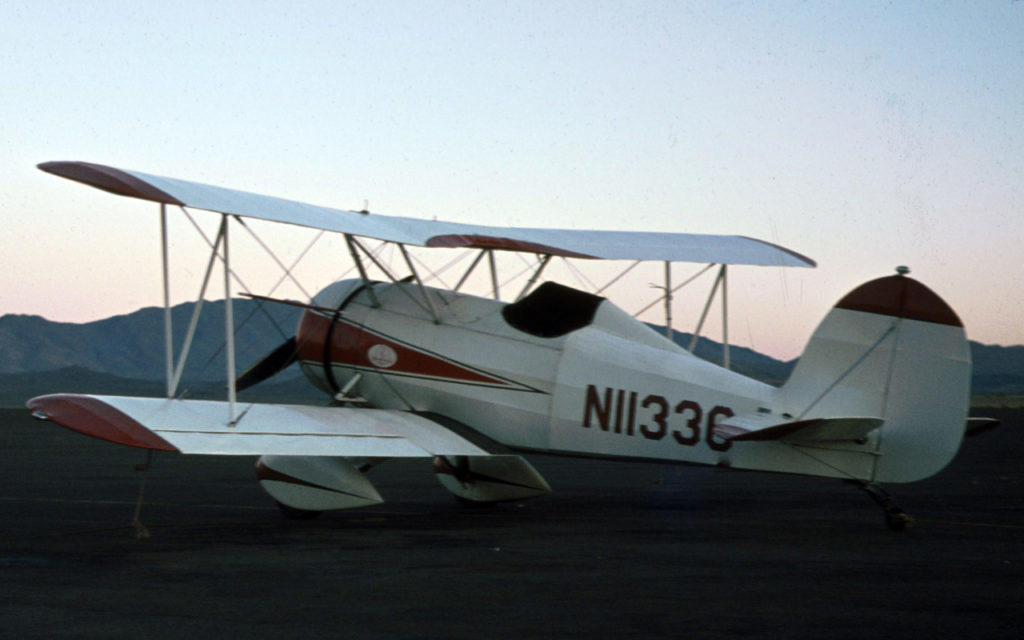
(490, 478)
(315, 483)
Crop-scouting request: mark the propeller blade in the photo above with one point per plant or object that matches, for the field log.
(271, 364)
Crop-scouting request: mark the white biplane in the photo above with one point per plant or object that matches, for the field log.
(880, 394)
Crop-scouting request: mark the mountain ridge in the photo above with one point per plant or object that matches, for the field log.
(126, 352)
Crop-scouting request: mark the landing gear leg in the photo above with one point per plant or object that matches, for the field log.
(895, 518)
(139, 530)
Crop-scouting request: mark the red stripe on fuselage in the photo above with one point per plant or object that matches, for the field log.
(350, 345)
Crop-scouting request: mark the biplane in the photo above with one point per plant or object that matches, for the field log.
(474, 382)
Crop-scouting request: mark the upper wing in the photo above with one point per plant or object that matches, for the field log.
(200, 426)
(611, 245)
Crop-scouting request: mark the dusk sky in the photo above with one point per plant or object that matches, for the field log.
(863, 134)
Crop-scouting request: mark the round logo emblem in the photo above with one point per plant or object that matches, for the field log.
(381, 355)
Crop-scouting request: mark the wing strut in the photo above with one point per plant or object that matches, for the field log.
(229, 325)
(469, 271)
(175, 369)
(533, 279)
(350, 241)
(429, 307)
(725, 316)
(423, 290)
(168, 342)
(287, 270)
(674, 289)
(373, 258)
(668, 300)
(175, 366)
(194, 321)
(720, 279)
(618, 277)
(494, 273)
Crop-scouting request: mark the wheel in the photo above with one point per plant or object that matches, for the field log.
(296, 514)
(898, 520)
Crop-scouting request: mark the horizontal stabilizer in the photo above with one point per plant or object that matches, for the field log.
(203, 427)
(765, 427)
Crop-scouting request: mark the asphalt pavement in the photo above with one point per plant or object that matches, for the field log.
(618, 550)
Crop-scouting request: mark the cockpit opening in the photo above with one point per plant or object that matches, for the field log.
(552, 310)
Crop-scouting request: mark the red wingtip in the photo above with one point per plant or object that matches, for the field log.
(109, 179)
(95, 418)
(902, 297)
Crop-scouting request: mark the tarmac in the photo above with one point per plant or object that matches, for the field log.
(618, 550)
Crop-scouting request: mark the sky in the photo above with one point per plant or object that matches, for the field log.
(865, 135)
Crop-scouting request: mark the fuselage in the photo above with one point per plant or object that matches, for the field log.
(606, 385)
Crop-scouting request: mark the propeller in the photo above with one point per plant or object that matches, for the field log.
(274, 362)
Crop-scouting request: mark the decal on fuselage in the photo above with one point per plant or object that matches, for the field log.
(382, 356)
(338, 342)
(652, 416)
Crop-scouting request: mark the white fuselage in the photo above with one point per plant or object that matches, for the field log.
(612, 388)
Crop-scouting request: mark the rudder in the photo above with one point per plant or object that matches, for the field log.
(890, 348)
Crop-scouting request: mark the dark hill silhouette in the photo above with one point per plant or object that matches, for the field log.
(125, 354)
(132, 345)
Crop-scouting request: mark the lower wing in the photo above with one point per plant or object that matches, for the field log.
(203, 427)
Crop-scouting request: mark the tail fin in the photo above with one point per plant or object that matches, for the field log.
(891, 348)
